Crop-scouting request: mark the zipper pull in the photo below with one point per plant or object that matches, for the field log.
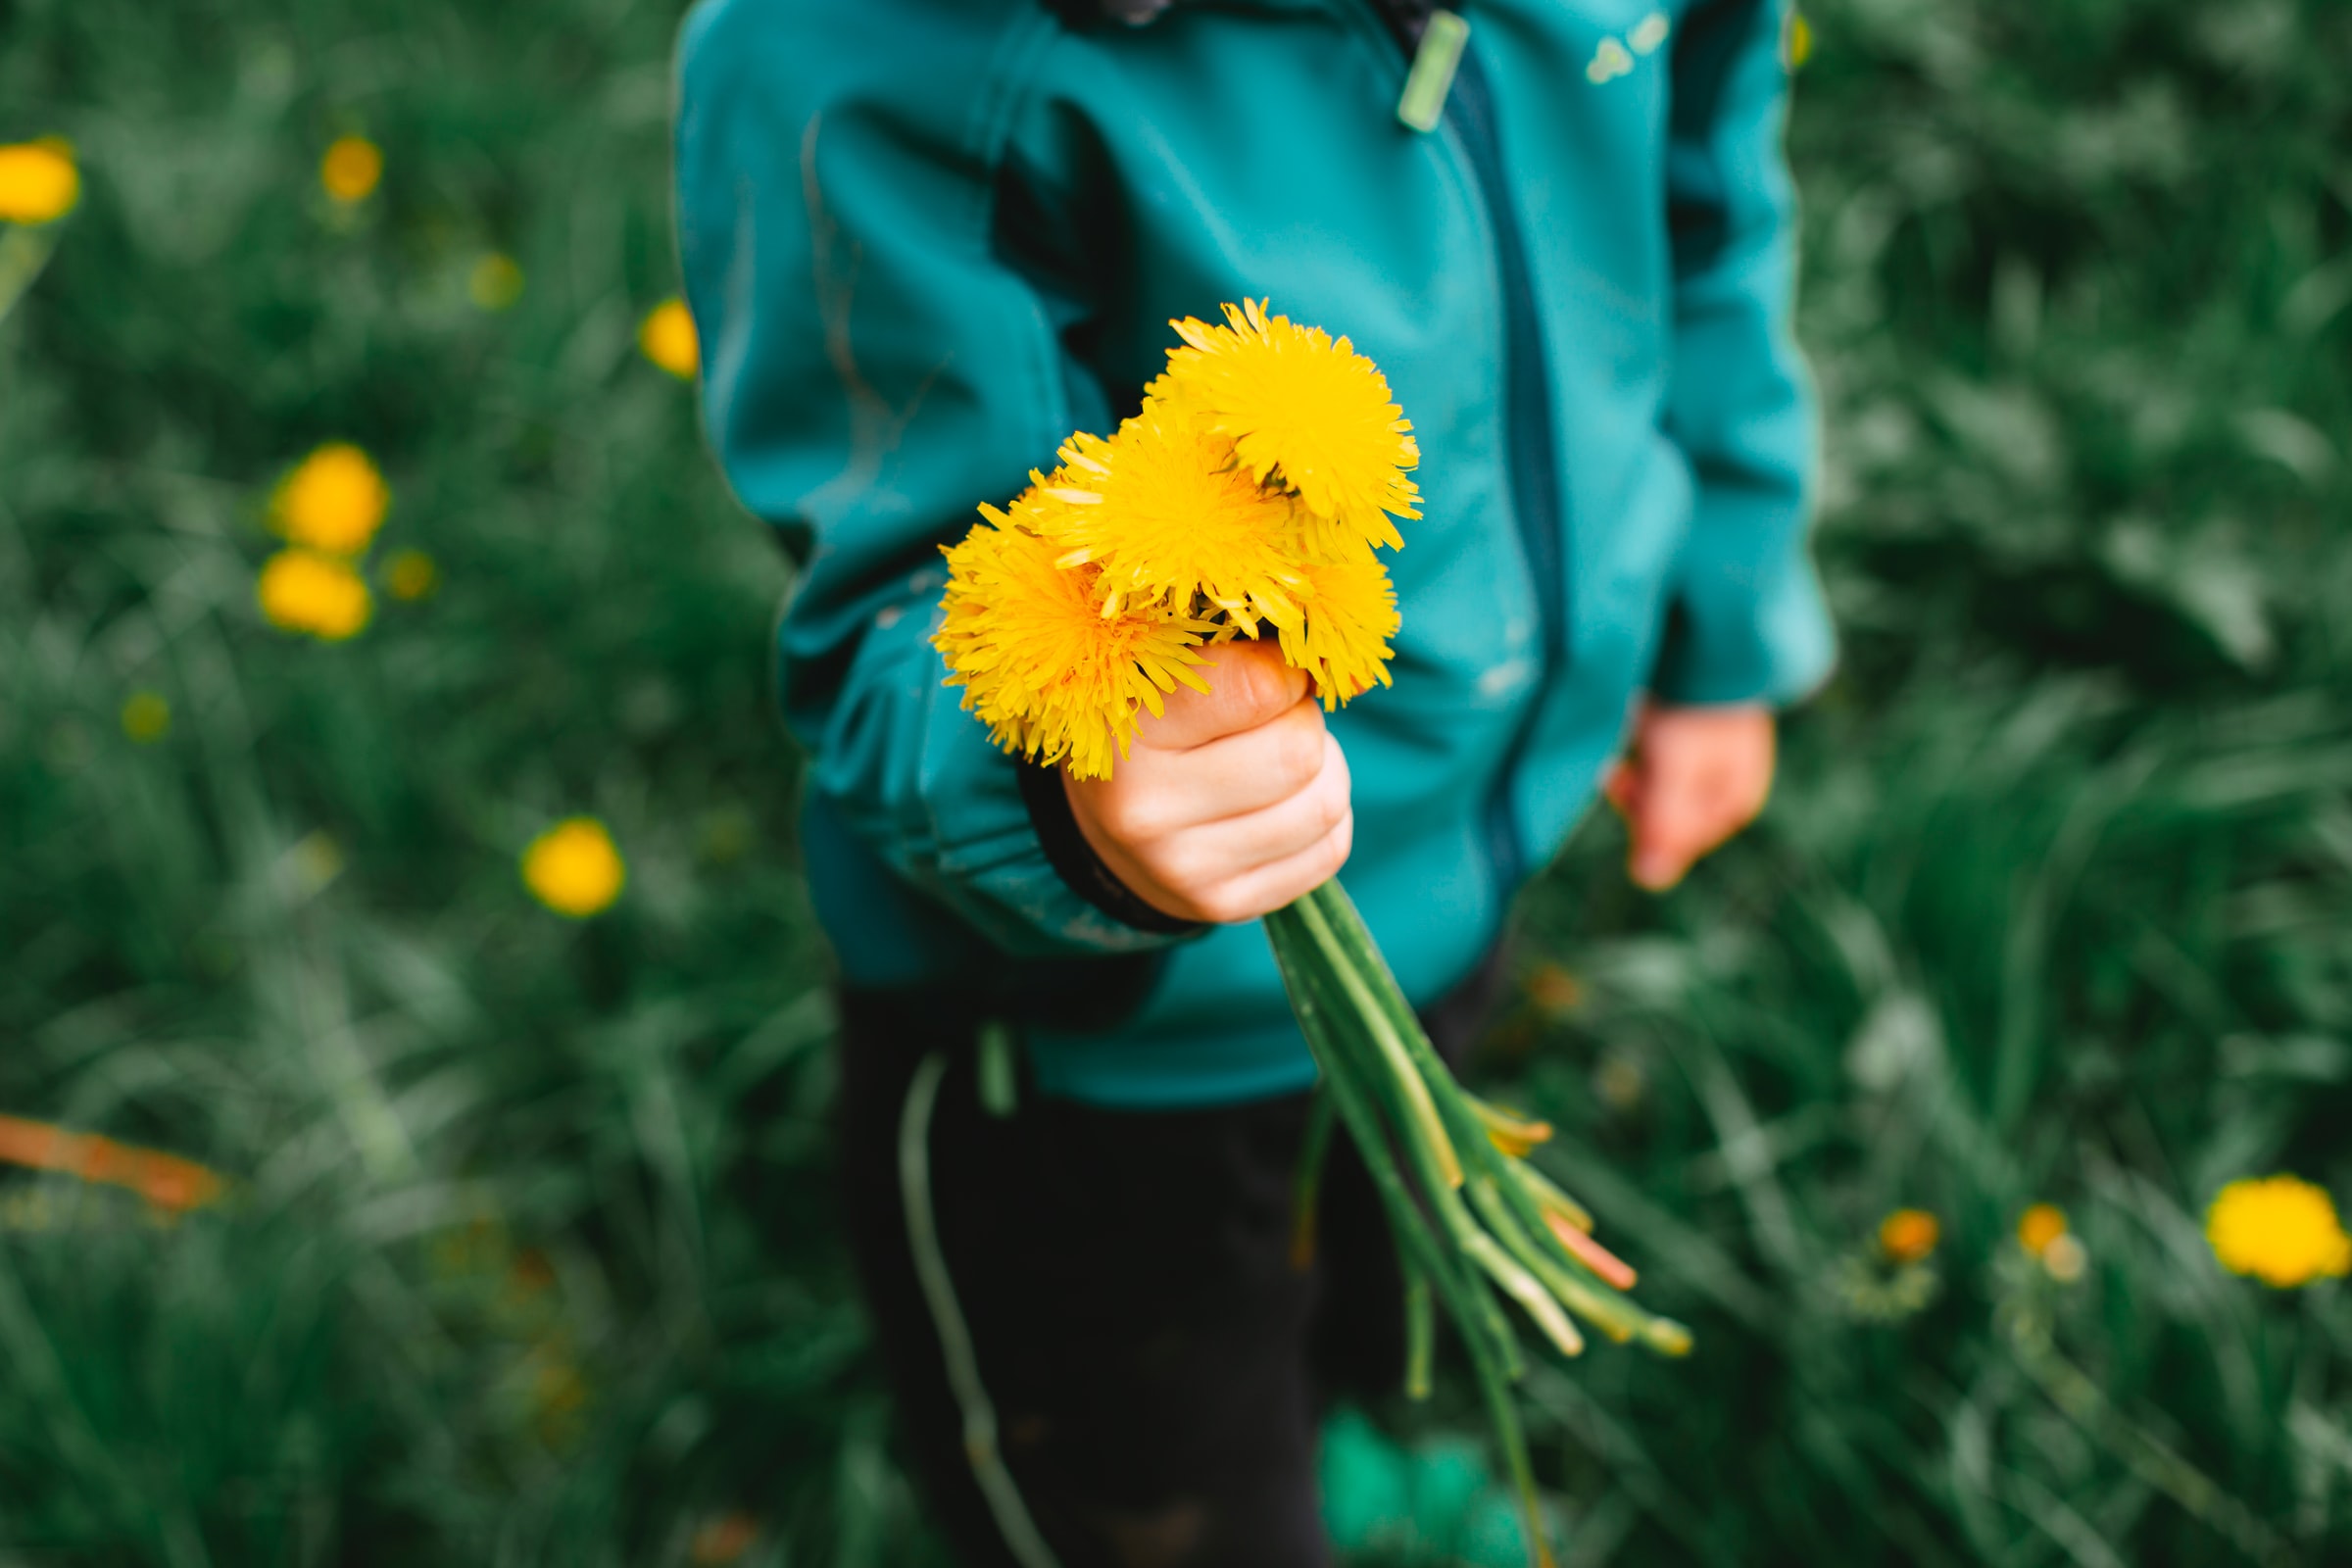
(1440, 55)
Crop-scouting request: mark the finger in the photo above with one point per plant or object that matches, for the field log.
(1248, 685)
(1285, 881)
(1236, 774)
(1217, 852)
(1620, 786)
(1158, 794)
(1668, 826)
(1699, 820)
(1659, 864)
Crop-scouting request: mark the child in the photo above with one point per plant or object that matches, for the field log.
(925, 239)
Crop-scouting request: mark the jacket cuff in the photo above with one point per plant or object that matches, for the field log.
(1075, 861)
(1746, 621)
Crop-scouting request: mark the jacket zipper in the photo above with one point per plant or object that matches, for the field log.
(1529, 428)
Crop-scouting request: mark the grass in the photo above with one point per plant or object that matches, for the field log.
(529, 1254)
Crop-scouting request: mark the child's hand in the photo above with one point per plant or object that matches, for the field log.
(1694, 777)
(1232, 803)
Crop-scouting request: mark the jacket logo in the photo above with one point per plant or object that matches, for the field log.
(1614, 56)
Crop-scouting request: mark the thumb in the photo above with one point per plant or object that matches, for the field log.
(1248, 685)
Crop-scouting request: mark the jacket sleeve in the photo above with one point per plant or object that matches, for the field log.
(1746, 621)
(871, 373)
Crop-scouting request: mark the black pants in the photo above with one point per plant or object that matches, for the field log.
(1158, 1366)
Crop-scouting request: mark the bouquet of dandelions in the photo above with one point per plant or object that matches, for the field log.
(1253, 491)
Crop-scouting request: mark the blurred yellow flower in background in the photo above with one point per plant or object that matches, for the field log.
(1796, 41)
(303, 591)
(2038, 1227)
(494, 282)
(573, 867)
(2041, 1232)
(666, 337)
(1909, 1235)
(351, 169)
(145, 716)
(333, 500)
(411, 575)
(38, 180)
(2280, 1229)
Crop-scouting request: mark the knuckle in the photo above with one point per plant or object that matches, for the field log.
(1112, 812)
(1135, 817)
(1268, 684)
(1220, 905)
(1338, 843)
(1338, 796)
(1331, 808)
(1297, 755)
(1179, 866)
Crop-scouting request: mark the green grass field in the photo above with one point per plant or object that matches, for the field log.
(527, 1254)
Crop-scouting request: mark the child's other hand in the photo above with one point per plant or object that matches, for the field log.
(1694, 777)
(1232, 803)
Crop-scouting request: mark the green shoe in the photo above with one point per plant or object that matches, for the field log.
(1432, 1503)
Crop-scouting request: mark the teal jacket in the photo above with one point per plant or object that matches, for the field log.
(926, 239)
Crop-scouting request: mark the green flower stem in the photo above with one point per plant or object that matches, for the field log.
(1495, 1363)
(1325, 1009)
(1354, 979)
(1525, 1289)
(1487, 1337)
(1549, 1196)
(1501, 1123)
(1509, 1204)
(1603, 1309)
(1495, 1389)
(1466, 1298)
(1345, 960)
(1419, 1330)
(1572, 1282)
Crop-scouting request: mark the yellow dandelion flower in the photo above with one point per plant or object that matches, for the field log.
(302, 590)
(1348, 615)
(494, 282)
(411, 575)
(145, 716)
(2280, 1229)
(1164, 512)
(1909, 1235)
(1305, 409)
(1052, 675)
(573, 867)
(351, 169)
(38, 180)
(666, 337)
(2038, 1227)
(332, 501)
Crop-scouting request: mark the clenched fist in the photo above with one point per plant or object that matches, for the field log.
(1232, 803)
